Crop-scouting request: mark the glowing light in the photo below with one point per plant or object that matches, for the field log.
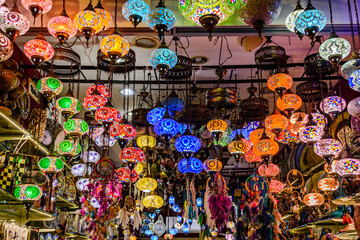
(123, 131)
(127, 91)
(188, 143)
(37, 6)
(76, 127)
(14, 24)
(146, 184)
(153, 202)
(252, 158)
(174, 105)
(311, 134)
(212, 165)
(161, 20)
(62, 27)
(313, 199)
(334, 49)
(268, 170)
(49, 86)
(68, 148)
(146, 141)
(347, 167)
(328, 184)
(291, 18)
(276, 186)
(256, 135)
(192, 165)
(68, 106)
(105, 140)
(88, 21)
(349, 67)
(79, 170)
(310, 22)
(6, 47)
(354, 80)
(136, 11)
(114, 46)
(353, 107)
(94, 102)
(239, 147)
(328, 148)
(91, 156)
(105, 16)
(287, 136)
(132, 155)
(216, 126)
(82, 183)
(163, 59)
(166, 127)
(107, 115)
(155, 115)
(248, 128)
(38, 49)
(125, 176)
(28, 192)
(276, 122)
(333, 105)
(280, 82)
(266, 148)
(51, 164)
(289, 102)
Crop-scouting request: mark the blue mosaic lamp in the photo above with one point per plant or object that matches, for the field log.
(155, 115)
(163, 59)
(135, 11)
(161, 19)
(173, 231)
(248, 128)
(354, 80)
(311, 21)
(190, 166)
(187, 145)
(173, 104)
(166, 128)
(186, 228)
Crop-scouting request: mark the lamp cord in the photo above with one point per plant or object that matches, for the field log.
(351, 24)
(331, 17)
(116, 6)
(63, 5)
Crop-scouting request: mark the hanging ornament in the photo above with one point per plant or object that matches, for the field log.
(68, 106)
(155, 115)
(146, 184)
(105, 16)
(347, 167)
(238, 148)
(252, 158)
(14, 23)
(136, 11)
(163, 59)
(132, 156)
(123, 133)
(354, 80)
(333, 105)
(75, 127)
(187, 144)
(353, 107)
(146, 142)
(216, 127)
(68, 148)
(256, 135)
(313, 199)
(38, 50)
(275, 186)
(266, 148)
(166, 128)
(190, 166)
(174, 105)
(289, 103)
(276, 122)
(350, 66)
(328, 148)
(259, 13)
(91, 155)
(37, 7)
(107, 115)
(161, 20)
(208, 14)
(105, 141)
(99, 89)
(280, 82)
(6, 47)
(328, 184)
(51, 164)
(212, 166)
(268, 170)
(49, 86)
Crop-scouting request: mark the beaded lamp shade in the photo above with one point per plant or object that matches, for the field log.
(289, 102)
(88, 21)
(349, 67)
(297, 117)
(68, 148)
(318, 118)
(280, 82)
(62, 28)
(190, 166)
(347, 167)
(155, 115)
(353, 107)
(310, 134)
(333, 105)
(13, 20)
(276, 122)
(76, 127)
(328, 184)
(68, 106)
(256, 135)
(146, 141)
(328, 148)
(212, 165)
(107, 115)
(276, 186)
(153, 202)
(125, 176)
(268, 170)
(103, 90)
(94, 102)
(313, 199)
(51, 164)
(82, 183)
(135, 11)
(122, 131)
(132, 155)
(38, 50)
(146, 184)
(49, 86)
(187, 143)
(28, 192)
(252, 158)
(6, 47)
(266, 148)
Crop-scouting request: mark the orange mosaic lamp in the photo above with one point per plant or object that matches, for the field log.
(280, 82)
(257, 134)
(88, 21)
(289, 103)
(217, 127)
(276, 122)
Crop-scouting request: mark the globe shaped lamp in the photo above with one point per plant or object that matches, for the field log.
(311, 134)
(88, 21)
(289, 103)
(311, 21)
(38, 49)
(80, 170)
(266, 148)
(114, 46)
(125, 176)
(347, 167)
(208, 14)
(98, 89)
(217, 127)
(248, 128)
(93, 102)
(328, 184)
(136, 11)
(212, 166)
(350, 66)
(49, 86)
(163, 59)
(37, 7)
(155, 115)
(354, 80)
(68, 106)
(146, 184)
(28, 194)
(275, 186)
(353, 107)
(91, 156)
(333, 105)
(334, 49)
(328, 148)
(190, 166)
(187, 145)
(50, 165)
(238, 148)
(268, 170)
(280, 82)
(161, 20)
(62, 27)
(174, 105)
(14, 23)
(276, 122)
(123, 133)
(288, 137)
(146, 142)
(68, 148)
(105, 16)
(291, 18)
(76, 127)
(313, 199)
(153, 202)
(166, 128)
(256, 135)
(107, 115)
(252, 158)
(132, 156)
(105, 141)
(6, 47)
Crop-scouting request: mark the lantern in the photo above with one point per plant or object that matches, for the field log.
(146, 142)
(173, 104)
(114, 46)
(62, 27)
(239, 148)
(257, 134)
(207, 14)
(328, 148)
(155, 115)
(311, 21)
(333, 105)
(248, 128)
(28, 192)
(68, 106)
(76, 127)
(212, 166)
(107, 115)
(68, 148)
(49, 86)
(161, 20)
(187, 145)
(6, 47)
(334, 49)
(190, 166)
(94, 102)
(216, 127)
(354, 80)
(313, 199)
(99, 89)
(347, 167)
(123, 133)
(88, 21)
(276, 122)
(38, 49)
(328, 184)
(37, 7)
(14, 23)
(353, 107)
(268, 170)
(291, 18)
(136, 11)
(298, 117)
(350, 66)
(166, 128)
(276, 186)
(125, 176)
(252, 158)
(266, 148)
(132, 156)
(146, 184)
(51, 164)
(91, 156)
(153, 202)
(280, 82)
(105, 16)
(105, 140)
(311, 134)
(163, 59)
(82, 183)
(288, 136)
(80, 169)
(289, 103)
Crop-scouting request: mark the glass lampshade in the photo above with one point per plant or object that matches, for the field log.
(51, 164)
(313, 199)
(82, 183)
(146, 141)
(136, 11)
(91, 156)
(288, 136)
(114, 46)
(101, 90)
(62, 27)
(266, 148)
(49, 86)
(248, 128)
(174, 105)
(310, 21)
(132, 155)
(68, 106)
(191, 165)
(349, 67)
(28, 192)
(163, 59)
(37, 6)
(105, 16)
(353, 107)
(155, 115)
(268, 170)
(311, 134)
(328, 184)
(166, 127)
(38, 49)
(291, 18)
(276, 186)
(256, 135)
(6, 47)
(276, 122)
(187, 143)
(212, 165)
(298, 116)
(122, 131)
(354, 80)
(216, 126)
(153, 202)
(333, 105)
(94, 102)
(80, 169)
(161, 16)
(68, 148)
(146, 184)
(347, 167)
(252, 158)
(105, 140)
(289, 102)
(280, 82)
(328, 148)
(88, 21)
(76, 127)
(334, 49)
(14, 24)
(125, 176)
(107, 115)
(318, 118)
(239, 146)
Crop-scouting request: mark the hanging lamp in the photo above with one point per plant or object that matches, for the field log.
(68, 105)
(136, 11)
(353, 107)
(161, 20)
(123, 132)
(187, 144)
(289, 103)
(163, 59)
(76, 127)
(37, 7)
(216, 127)
(14, 23)
(6, 47)
(276, 122)
(280, 82)
(62, 27)
(107, 115)
(291, 19)
(167, 128)
(105, 17)
(115, 45)
(49, 86)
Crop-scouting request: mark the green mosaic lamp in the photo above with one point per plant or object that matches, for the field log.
(51, 165)
(49, 86)
(68, 105)
(76, 127)
(68, 148)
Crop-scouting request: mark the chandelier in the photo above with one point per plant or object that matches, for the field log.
(136, 11)
(163, 59)
(14, 23)
(38, 49)
(208, 13)
(161, 20)
(6, 47)
(88, 21)
(37, 7)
